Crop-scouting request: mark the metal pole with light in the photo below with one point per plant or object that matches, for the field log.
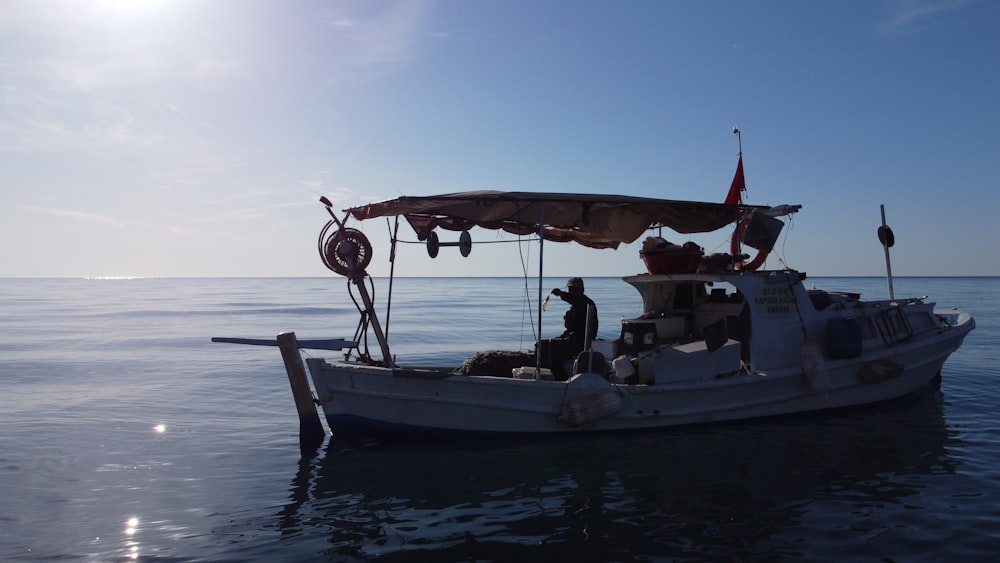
(887, 239)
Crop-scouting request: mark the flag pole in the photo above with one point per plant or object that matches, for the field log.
(735, 197)
(736, 189)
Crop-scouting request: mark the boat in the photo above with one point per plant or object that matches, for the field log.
(719, 339)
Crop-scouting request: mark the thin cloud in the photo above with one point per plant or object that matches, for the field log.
(381, 40)
(312, 184)
(82, 216)
(341, 22)
(913, 16)
(182, 231)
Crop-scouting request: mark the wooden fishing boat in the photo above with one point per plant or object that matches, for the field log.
(718, 338)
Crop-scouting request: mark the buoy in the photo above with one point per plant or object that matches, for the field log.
(593, 407)
(814, 368)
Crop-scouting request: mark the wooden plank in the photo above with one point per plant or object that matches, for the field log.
(318, 344)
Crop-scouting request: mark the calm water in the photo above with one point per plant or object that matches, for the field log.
(125, 434)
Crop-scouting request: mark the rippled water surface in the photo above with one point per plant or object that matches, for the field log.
(128, 435)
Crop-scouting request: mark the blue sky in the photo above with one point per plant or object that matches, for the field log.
(193, 138)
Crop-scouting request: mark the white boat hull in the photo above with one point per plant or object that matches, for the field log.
(361, 401)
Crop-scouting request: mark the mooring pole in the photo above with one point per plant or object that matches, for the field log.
(311, 431)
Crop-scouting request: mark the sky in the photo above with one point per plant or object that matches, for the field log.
(179, 138)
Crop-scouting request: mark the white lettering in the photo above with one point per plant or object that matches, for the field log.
(774, 301)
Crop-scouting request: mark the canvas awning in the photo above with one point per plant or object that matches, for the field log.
(597, 221)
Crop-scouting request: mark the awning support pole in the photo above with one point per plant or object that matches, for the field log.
(541, 262)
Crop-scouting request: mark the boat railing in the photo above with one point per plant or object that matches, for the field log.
(893, 326)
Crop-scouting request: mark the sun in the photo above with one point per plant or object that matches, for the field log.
(132, 6)
(126, 13)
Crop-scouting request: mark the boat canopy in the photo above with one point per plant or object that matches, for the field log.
(597, 221)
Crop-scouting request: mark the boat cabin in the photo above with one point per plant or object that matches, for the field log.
(690, 325)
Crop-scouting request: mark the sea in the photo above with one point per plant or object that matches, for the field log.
(126, 434)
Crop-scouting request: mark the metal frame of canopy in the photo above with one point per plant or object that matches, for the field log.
(595, 221)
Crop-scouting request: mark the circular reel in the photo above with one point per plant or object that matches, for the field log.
(347, 251)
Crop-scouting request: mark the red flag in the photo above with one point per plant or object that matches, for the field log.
(739, 185)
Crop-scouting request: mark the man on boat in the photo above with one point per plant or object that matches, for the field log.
(582, 309)
(581, 327)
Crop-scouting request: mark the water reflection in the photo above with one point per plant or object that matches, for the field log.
(131, 544)
(793, 488)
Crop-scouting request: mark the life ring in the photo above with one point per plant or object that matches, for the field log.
(734, 249)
